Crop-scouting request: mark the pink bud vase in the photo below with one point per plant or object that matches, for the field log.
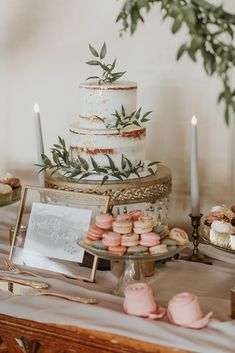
(139, 300)
(184, 310)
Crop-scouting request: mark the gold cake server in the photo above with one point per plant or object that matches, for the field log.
(68, 297)
(25, 282)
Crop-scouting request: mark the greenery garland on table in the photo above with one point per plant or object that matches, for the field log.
(211, 33)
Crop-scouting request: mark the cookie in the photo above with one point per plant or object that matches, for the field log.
(137, 250)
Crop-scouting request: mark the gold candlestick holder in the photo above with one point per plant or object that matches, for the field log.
(196, 256)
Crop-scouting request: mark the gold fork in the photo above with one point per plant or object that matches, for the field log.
(14, 269)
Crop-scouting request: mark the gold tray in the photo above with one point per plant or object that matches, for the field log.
(205, 237)
(11, 197)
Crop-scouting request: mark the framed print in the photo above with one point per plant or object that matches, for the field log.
(54, 221)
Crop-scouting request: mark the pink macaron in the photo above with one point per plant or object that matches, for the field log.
(117, 250)
(149, 239)
(111, 239)
(104, 220)
(94, 232)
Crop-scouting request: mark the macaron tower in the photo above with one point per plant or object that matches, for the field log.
(135, 233)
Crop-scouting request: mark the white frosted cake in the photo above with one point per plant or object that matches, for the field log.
(95, 134)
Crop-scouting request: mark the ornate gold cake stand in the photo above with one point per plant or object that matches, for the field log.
(146, 189)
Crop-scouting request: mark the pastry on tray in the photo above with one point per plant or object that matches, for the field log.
(220, 222)
(9, 188)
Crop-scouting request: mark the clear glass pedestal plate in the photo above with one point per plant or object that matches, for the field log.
(133, 265)
(205, 237)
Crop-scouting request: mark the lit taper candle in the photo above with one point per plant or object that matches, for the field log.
(39, 143)
(195, 198)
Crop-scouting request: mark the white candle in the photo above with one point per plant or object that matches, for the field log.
(39, 143)
(195, 199)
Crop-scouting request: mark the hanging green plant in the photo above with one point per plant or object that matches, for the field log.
(211, 34)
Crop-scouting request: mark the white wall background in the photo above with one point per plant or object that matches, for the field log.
(43, 49)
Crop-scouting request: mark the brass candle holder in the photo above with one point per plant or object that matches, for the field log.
(196, 256)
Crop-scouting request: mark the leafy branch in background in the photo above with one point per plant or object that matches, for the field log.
(211, 33)
(123, 120)
(61, 160)
(107, 75)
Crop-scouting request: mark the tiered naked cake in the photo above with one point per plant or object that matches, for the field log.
(107, 152)
(110, 131)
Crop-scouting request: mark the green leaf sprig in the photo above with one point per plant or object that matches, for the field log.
(210, 35)
(123, 120)
(61, 160)
(108, 75)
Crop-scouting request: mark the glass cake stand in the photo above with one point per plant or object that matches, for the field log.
(11, 197)
(132, 264)
(205, 237)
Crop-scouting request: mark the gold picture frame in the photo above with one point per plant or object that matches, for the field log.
(36, 204)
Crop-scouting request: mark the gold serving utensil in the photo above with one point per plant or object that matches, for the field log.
(16, 270)
(68, 297)
(25, 282)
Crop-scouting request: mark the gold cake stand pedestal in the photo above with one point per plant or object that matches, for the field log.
(146, 189)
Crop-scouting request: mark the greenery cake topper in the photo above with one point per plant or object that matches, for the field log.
(108, 76)
(210, 35)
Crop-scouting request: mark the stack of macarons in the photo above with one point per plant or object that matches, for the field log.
(135, 233)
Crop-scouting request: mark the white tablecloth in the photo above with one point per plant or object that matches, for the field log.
(211, 283)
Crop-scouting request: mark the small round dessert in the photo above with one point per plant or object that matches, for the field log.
(142, 226)
(104, 220)
(179, 235)
(122, 226)
(233, 209)
(88, 241)
(137, 250)
(162, 230)
(95, 233)
(98, 244)
(131, 239)
(220, 233)
(10, 180)
(117, 250)
(170, 243)
(111, 239)
(135, 214)
(148, 218)
(149, 239)
(122, 217)
(158, 249)
(5, 189)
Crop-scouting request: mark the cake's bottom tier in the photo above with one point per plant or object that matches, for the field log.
(120, 149)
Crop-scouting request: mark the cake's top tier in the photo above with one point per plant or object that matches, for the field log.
(116, 85)
(98, 103)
